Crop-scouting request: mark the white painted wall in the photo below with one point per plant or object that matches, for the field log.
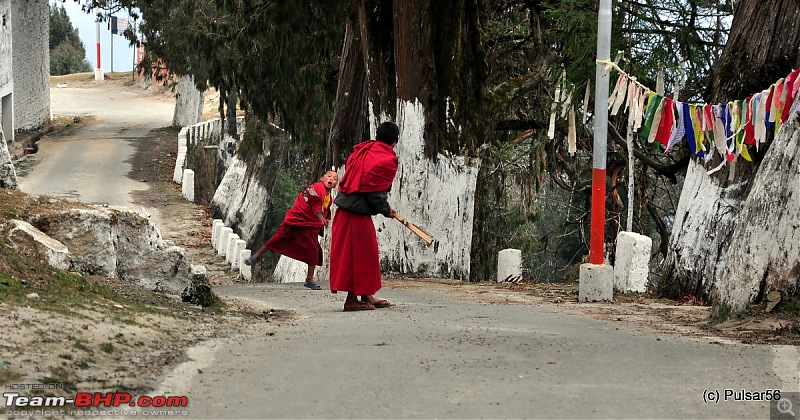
(6, 75)
(241, 199)
(6, 72)
(31, 63)
(437, 196)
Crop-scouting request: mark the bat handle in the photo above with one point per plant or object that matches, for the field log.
(400, 218)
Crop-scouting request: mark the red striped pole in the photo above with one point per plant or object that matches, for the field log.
(98, 45)
(597, 240)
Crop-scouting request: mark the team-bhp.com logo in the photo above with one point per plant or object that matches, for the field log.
(90, 400)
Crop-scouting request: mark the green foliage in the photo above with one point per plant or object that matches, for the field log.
(287, 186)
(279, 58)
(519, 210)
(67, 53)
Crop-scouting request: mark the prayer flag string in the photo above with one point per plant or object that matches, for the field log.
(730, 127)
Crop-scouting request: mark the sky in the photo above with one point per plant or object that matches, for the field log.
(87, 29)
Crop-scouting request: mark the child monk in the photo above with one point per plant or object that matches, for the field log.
(296, 237)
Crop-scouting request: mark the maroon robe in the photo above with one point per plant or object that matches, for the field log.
(355, 264)
(296, 237)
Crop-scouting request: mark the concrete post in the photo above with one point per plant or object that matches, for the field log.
(632, 262)
(187, 186)
(215, 234)
(236, 261)
(232, 238)
(596, 283)
(244, 269)
(180, 160)
(509, 264)
(216, 225)
(222, 243)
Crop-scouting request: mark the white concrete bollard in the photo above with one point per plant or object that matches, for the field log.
(218, 237)
(232, 238)
(180, 160)
(237, 252)
(216, 225)
(632, 265)
(222, 244)
(596, 283)
(187, 186)
(244, 269)
(509, 264)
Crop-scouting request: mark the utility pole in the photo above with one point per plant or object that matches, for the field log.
(596, 278)
(98, 73)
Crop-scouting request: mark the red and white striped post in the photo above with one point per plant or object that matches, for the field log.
(596, 278)
(597, 241)
(98, 72)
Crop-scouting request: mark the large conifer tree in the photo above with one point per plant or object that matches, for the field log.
(67, 53)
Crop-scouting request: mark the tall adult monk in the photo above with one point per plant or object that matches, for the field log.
(363, 192)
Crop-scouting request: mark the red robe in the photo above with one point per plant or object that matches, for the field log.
(296, 237)
(355, 264)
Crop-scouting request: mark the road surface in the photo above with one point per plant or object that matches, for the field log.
(92, 165)
(434, 354)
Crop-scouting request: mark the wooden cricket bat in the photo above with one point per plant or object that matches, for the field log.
(416, 229)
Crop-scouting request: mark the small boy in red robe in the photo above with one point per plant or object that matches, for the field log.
(296, 237)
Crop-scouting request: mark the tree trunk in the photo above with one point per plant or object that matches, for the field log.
(761, 48)
(421, 73)
(715, 212)
(349, 125)
(188, 103)
(764, 255)
(8, 175)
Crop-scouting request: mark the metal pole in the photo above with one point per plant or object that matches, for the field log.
(596, 246)
(111, 42)
(97, 24)
(631, 167)
(136, 47)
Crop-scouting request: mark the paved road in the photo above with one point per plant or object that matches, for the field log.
(92, 166)
(431, 356)
(435, 357)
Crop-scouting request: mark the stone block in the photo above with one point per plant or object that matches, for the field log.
(236, 261)
(509, 264)
(32, 242)
(222, 242)
(245, 270)
(216, 225)
(596, 283)
(232, 238)
(632, 264)
(187, 186)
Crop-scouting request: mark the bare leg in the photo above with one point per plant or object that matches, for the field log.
(254, 258)
(310, 278)
(310, 275)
